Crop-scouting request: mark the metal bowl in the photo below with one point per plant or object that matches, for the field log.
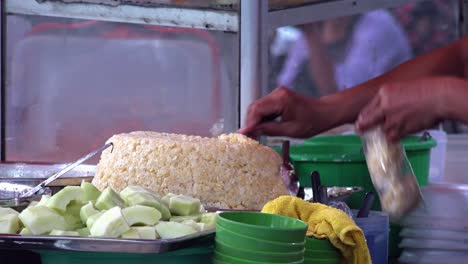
(10, 195)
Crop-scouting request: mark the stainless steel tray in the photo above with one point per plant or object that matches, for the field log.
(105, 244)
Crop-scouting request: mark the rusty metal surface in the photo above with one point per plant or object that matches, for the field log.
(208, 4)
(131, 12)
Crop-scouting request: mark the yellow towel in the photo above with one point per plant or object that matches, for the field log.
(325, 222)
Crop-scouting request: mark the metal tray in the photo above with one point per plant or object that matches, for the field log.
(105, 244)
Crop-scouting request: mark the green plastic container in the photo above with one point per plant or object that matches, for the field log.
(340, 162)
(318, 249)
(314, 244)
(260, 256)
(247, 242)
(269, 227)
(199, 255)
(221, 258)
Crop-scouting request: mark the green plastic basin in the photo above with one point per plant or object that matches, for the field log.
(269, 227)
(222, 258)
(320, 245)
(321, 261)
(248, 242)
(322, 254)
(254, 255)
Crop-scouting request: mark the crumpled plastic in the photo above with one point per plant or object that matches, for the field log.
(391, 174)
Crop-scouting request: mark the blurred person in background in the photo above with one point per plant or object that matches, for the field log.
(429, 24)
(344, 52)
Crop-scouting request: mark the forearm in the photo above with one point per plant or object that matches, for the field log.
(447, 61)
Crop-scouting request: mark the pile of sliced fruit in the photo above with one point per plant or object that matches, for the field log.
(135, 213)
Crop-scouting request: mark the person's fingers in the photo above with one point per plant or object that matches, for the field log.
(393, 135)
(371, 115)
(277, 129)
(258, 111)
(270, 105)
(394, 126)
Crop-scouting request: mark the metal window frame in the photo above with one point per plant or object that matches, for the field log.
(3, 80)
(253, 23)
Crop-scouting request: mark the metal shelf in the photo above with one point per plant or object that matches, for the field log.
(165, 16)
(326, 10)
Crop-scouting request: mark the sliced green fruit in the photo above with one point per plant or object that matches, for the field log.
(56, 232)
(42, 219)
(33, 203)
(7, 210)
(203, 226)
(86, 211)
(184, 205)
(193, 224)
(9, 223)
(83, 232)
(25, 232)
(209, 219)
(44, 199)
(181, 219)
(146, 232)
(169, 230)
(147, 199)
(110, 224)
(167, 198)
(61, 199)
(140, 232)
(140, 214)
(92, 219)
(129, 190)
(109, 199)
(72, 215)
(131, 234)
(91, 193)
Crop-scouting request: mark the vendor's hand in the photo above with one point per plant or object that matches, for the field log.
(300, 116)
(405, 108)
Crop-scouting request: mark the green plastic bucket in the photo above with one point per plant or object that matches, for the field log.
(340, 162)
(198, 255)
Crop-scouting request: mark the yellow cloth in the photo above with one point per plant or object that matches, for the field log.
(325, 222)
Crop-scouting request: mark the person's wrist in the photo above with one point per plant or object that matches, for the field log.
(331, 107)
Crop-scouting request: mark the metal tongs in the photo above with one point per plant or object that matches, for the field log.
(65, 170)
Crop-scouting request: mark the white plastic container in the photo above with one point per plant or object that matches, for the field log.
(438, 154)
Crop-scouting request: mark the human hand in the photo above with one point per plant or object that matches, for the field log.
(404, 108)
(300, 116)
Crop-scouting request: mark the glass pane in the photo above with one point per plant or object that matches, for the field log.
(329, 56)
(73, 84)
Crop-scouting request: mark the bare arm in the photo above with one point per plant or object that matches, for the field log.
(306, 116)
(447, 61)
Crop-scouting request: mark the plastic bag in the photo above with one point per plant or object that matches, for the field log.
(391, 174)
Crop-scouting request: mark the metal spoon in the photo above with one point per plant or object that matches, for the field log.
(65, 170)
(288, 174)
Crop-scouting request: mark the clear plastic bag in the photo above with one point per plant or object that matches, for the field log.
(391, 174)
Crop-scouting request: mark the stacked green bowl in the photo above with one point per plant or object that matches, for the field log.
(321, 251)
(256, 238)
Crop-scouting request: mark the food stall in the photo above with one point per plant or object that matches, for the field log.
(147, 54)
